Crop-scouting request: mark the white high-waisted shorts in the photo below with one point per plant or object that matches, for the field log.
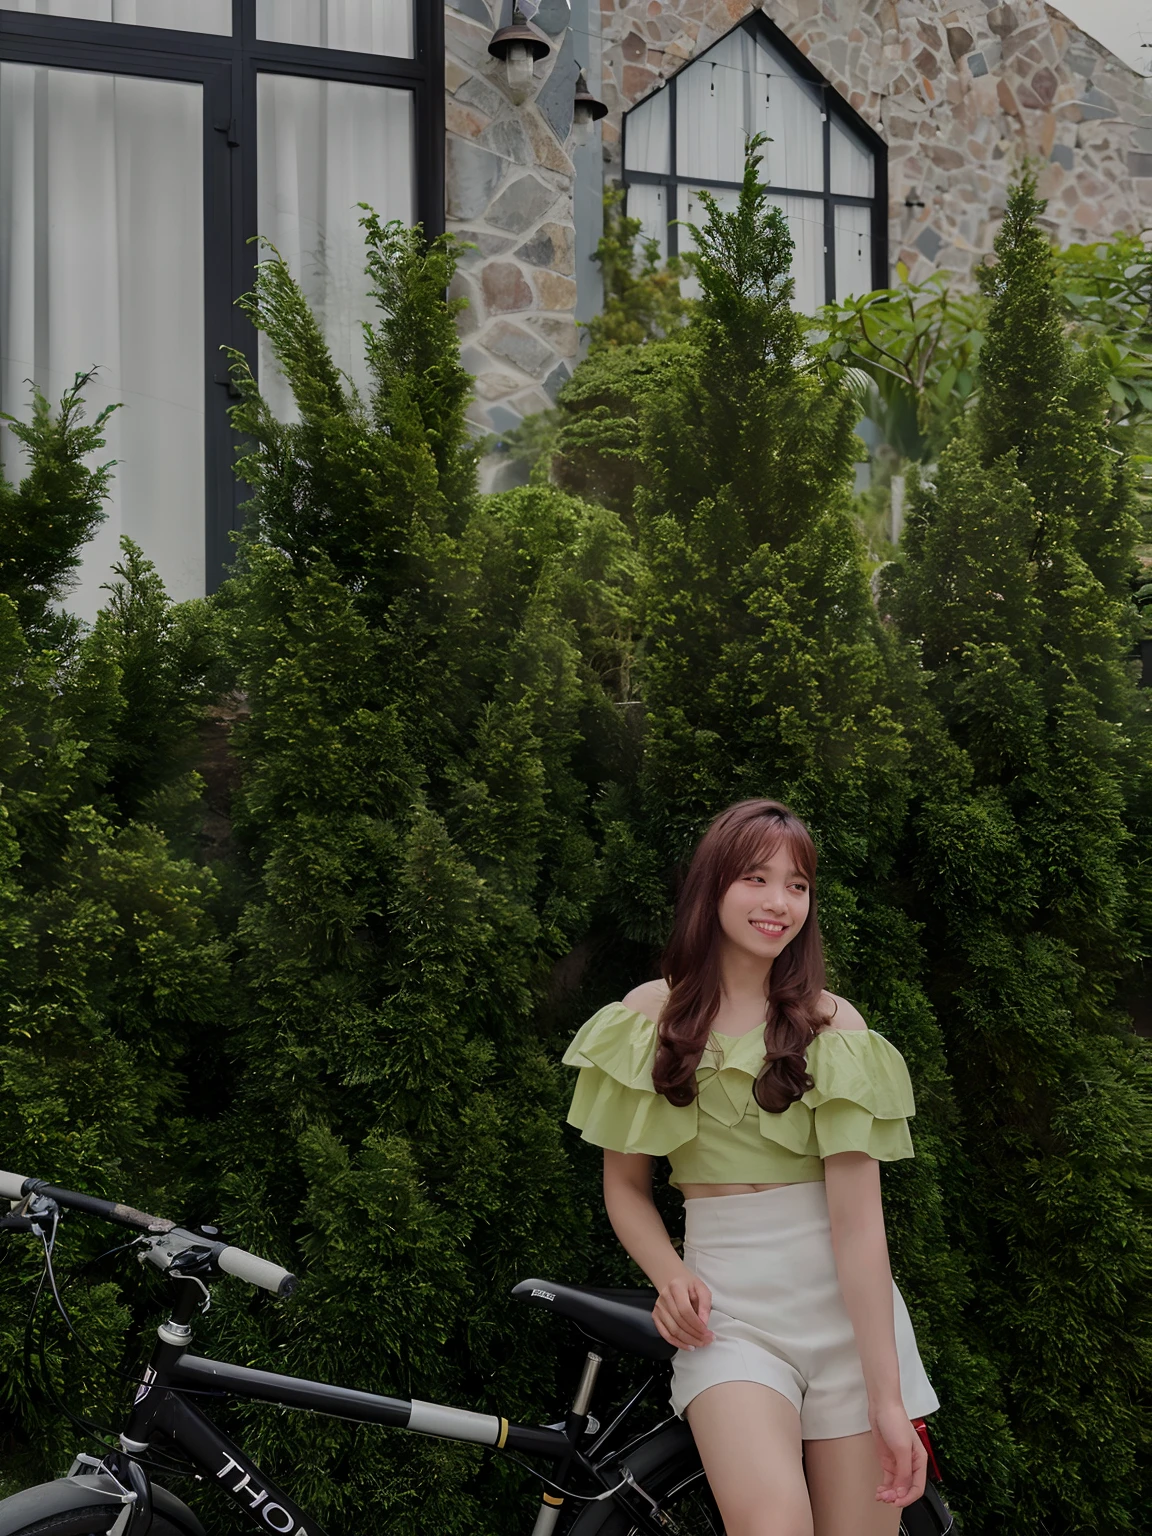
(777, 1312)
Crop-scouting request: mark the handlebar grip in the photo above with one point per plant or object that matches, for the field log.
(12, 1185)
(246, 1266)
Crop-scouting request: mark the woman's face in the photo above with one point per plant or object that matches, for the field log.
(766, 907)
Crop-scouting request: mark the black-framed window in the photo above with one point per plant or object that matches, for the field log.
(826, 168)
(137, 159)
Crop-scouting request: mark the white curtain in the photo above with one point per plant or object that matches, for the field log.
(649, 204)
(790, 114)
(364, 26)
(323, 147)
(740, 88)
(853, 166)
(853, 226)
(805, 218)
(711, 111)
(102, 263)
(183, 15)
(647, 142)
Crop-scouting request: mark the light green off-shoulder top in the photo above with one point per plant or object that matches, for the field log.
(861, 1102)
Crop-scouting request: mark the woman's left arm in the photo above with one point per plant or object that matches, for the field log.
(861, 1249)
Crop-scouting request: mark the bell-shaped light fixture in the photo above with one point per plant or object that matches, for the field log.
(586, 110)
(520, 45)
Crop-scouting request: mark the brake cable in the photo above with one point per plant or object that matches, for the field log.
(100, 1433)
(627, 1480)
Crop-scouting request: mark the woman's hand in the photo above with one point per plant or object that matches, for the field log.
(903, 1459)
(682, 1307)
(681, 1311)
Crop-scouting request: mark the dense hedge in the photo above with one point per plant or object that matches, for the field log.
(477, 737)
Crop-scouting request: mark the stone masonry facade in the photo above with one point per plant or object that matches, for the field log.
(509, 183)
(963, 95)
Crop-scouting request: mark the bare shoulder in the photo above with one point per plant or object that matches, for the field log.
(840, 1013)
(648, 998)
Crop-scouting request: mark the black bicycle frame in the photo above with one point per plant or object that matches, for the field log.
(164, 1410)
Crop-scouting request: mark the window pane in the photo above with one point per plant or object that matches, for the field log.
(853, 168)
(713, 105)
(101, 264)
(805, 216)
(323, 147)
(362, 26)
(647, 144)
(853, 250)
(182, 15)
(693, 211)
(739, 88)
(650, 205)
(791, 116)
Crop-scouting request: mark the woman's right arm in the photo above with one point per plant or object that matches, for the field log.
(682, 1308)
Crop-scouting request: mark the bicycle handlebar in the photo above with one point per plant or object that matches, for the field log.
(170, 1240)
(14, 1187)
(246, 1266)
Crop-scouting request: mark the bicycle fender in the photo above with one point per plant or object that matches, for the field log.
(68, 1493)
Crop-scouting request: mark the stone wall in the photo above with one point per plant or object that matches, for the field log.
(962, 94)
(509, 179)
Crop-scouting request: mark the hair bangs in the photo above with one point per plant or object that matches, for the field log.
(755, 837)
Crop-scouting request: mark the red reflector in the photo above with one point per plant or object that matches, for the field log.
(933, 1465)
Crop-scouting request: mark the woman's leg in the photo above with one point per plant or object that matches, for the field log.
(748, 1437)
(843, 1476)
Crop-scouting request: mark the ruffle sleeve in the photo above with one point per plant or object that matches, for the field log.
(615, 1105)
(862, 1099)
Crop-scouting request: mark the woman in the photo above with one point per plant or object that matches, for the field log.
(797, 1367)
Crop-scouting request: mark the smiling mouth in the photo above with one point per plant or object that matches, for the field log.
(769, 929)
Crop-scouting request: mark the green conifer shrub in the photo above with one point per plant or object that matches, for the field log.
(112, 972)
(642, 298)
(1031, 860)
(429, 683)
(47, 518)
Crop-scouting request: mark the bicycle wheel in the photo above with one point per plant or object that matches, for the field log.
(668, 1468)
(96, 1521)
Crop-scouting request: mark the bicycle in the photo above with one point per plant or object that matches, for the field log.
(604, 1481)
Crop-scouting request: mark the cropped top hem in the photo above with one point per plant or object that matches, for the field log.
(861, 1101)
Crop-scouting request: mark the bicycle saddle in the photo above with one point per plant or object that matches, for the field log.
(619, 1317)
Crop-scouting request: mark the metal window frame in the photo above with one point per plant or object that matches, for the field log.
(227, 67)
(833, 105)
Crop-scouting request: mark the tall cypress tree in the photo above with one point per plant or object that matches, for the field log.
(425, 674)
(1031, 862)
(765, 671)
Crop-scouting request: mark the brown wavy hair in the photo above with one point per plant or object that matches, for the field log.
(740, 838)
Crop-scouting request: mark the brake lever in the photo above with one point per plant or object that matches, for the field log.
(35, 1213)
